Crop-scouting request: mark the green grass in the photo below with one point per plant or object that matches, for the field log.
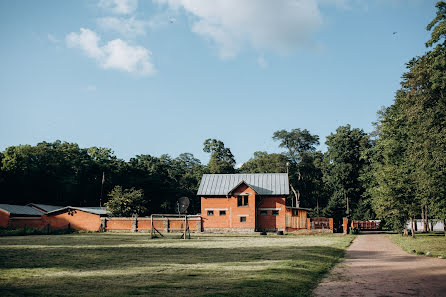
(435, 243)
(133, 264)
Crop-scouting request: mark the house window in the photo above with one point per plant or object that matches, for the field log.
(275, 212)
(263, 212)
(242, 201)
(242, 219)
(222, 213)
(210, 213)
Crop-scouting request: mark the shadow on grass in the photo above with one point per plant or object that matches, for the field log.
(288, 271)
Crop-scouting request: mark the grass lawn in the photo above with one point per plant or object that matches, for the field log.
(107, 264)
(435, 243)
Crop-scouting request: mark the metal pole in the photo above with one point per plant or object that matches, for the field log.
(185, 226)
(151, 226)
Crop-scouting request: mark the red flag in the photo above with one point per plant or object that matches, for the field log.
(103, 177)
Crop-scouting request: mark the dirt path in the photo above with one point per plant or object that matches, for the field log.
(374, 266)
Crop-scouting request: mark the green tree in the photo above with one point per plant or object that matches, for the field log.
(222, 160)
(300, 148)
(125, 203)
(412, 142)
(262, 162)
(342, 168)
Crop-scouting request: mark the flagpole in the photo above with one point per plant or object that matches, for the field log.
(102, 188)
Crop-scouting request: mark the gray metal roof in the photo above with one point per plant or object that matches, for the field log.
(93, 210)
(262, 183)
(20, 210)
(45, 207)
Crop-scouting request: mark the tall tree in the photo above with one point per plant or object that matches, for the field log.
(342, 168)
(262, 162)
(417, 125)
(300, 146)
(222, 160)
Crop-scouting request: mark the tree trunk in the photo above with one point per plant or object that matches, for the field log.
(422, 219)
(412, 227)
(295, 195)
(431, 225)
(444, 227)
(426, 218)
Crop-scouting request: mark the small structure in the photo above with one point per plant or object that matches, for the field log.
(79, 218)
(20, 216)
(248, 203)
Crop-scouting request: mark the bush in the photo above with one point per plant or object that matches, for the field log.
(12, 231)
(354, 230)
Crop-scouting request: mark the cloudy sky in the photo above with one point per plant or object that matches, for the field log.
(161, 76)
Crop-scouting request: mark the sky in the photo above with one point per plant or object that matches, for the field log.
(161, 76)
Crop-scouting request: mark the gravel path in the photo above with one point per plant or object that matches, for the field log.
(374, 266)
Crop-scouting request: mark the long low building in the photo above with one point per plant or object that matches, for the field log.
(56, 217)
(20, 216)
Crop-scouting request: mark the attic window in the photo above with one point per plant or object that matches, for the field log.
(222, 213)
(210, 213)
(242, 201)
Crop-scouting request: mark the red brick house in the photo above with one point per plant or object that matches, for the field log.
(20, 216)
(79, 218)
(248, 203)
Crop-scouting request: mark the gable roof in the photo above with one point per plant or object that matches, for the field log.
(20, 210)
(261, 183)
(93, 210)
(44, 207)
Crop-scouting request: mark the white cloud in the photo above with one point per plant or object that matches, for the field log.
(124, 26)
(116, 54)
(87, 41)
(279, 25)
(119, 6)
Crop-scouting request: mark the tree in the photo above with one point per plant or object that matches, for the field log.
(342, 168)
(126, 203)
(262, 162)
(222, 160)
(415, 125)
(300, 148)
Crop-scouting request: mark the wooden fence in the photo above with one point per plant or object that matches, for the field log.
(366, 225)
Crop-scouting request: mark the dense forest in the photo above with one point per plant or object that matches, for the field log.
(395, 173)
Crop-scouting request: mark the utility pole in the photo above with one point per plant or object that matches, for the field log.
(102, 188)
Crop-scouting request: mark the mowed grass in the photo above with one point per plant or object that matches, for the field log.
(106, 264)
(435, 243)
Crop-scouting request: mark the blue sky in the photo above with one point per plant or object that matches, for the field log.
(161, 76)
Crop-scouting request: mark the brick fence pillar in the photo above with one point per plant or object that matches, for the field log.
(103, 226)
(166, 225)
(199, 225)
(308, 223)
(345, 225)
(134, 224)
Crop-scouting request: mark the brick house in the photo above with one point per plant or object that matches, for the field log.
(79, 218)
(20, 216)
(248, 203)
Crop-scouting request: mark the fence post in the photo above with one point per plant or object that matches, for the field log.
(166, 225)
(134, 224)
(308, 224)
(345, 225)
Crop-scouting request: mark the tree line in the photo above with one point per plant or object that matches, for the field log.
(395, 173)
